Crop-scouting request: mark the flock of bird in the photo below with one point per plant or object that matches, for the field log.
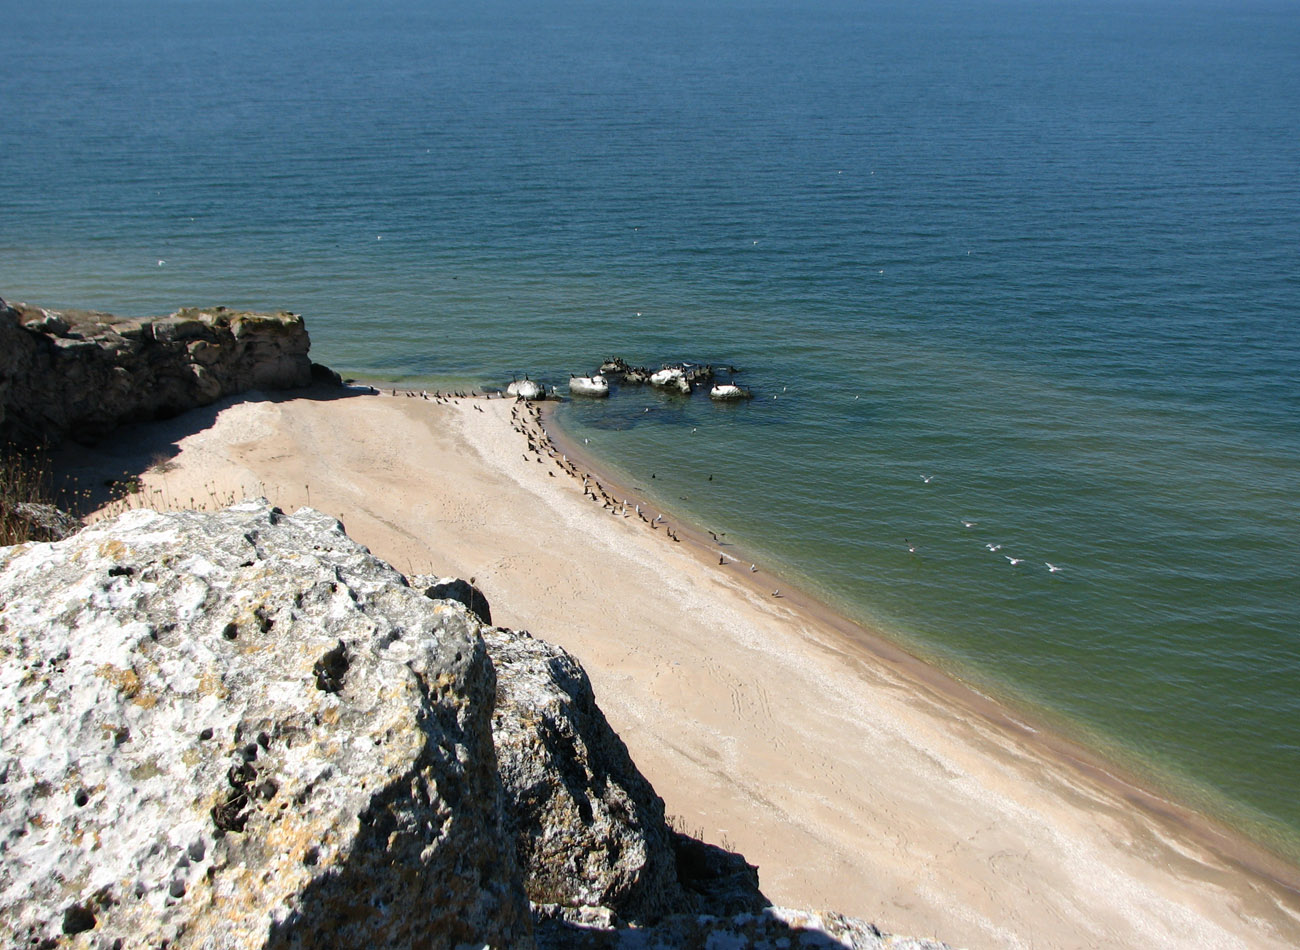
(526, 419)
(989, 546)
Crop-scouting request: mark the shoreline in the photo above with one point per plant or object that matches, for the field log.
(862, 642)
(930, 808)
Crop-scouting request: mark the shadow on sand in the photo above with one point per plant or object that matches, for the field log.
(89, 476)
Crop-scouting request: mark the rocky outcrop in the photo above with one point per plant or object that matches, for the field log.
(775, 928)
(41, 522)
(588, 828)
(81, 373)
(241, 730)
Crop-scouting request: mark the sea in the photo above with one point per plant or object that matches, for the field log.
(1014, 285)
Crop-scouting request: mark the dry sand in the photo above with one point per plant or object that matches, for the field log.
(854, 777)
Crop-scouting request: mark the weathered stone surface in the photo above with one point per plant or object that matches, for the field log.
(82, 373)
(46, 522)
(775, 928)
(241, 730)
(587, 826)
(453, 588)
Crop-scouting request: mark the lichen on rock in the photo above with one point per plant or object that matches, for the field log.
(241, 730)
(588, 828)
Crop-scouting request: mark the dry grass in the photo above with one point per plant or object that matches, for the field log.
(161, 499)
(27, 477)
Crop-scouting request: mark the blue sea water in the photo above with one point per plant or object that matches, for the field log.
(1030, 265)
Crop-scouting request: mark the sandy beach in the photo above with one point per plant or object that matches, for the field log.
(856, 778)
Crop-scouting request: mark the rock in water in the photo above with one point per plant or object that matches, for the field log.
(526, 389)
(240, 730)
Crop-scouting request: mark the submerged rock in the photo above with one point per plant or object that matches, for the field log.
(241, 730)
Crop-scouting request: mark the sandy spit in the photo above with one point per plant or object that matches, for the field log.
(856, 778)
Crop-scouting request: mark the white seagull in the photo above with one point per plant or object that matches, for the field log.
(1015, 561)
(1051, 568)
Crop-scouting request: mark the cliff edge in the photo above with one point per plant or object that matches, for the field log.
(80, 373)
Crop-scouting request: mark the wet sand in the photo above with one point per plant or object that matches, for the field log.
(857, 778)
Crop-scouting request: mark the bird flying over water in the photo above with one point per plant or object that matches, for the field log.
(1015, 561)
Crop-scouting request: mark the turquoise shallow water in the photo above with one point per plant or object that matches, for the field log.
(1046, 258)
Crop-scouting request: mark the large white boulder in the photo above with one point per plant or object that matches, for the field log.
(240, 730)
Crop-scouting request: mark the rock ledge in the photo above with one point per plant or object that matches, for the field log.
(81, 373)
